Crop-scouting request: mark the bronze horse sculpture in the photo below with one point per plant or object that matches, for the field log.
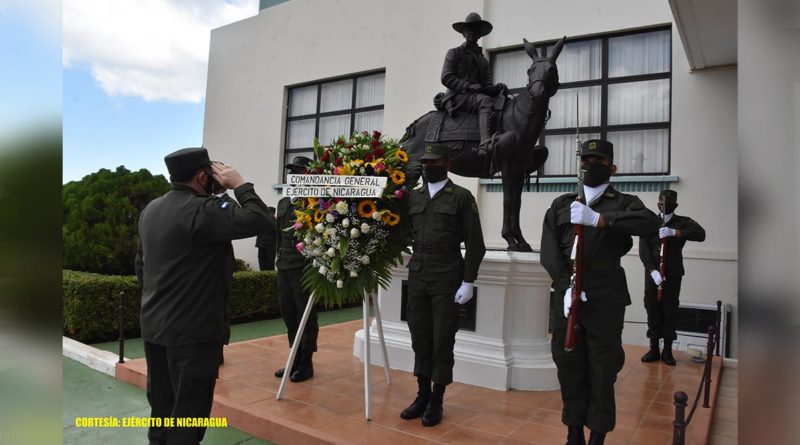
(515, 155)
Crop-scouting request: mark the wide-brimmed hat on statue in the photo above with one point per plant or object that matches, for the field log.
(474, 20)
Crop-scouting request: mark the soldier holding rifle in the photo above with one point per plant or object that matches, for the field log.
(662, 257)
(587, 371)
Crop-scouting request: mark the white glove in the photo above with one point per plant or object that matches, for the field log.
(583, 214)
(665, 232)
(656, 277)
(464, 293)
(568, 300)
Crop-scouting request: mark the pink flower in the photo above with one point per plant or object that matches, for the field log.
(398, 193)
(379, 167)
(300, 246)
(297, 226)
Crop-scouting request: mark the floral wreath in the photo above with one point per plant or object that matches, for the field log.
(351, 244)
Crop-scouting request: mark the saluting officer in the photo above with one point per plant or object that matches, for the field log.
(676, 230)
(292, 297)
(184, 264)
(443, 215)
(588, 372)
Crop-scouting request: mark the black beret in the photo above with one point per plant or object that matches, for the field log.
(186, 160)
(435, 151)
(598, 147)
(299, 162)
(670, 194)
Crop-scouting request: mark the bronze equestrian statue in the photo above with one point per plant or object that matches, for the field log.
(511, 149)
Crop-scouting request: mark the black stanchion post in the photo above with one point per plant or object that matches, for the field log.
(719, 324)
(121, 322)
(679, 429)
(707, 373)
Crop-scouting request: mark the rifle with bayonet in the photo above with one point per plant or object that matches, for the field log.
(576, 256)
(662, 261)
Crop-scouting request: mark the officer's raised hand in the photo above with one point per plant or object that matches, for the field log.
(580, 213)
(568, 300)
(226, 175)
(464, 293)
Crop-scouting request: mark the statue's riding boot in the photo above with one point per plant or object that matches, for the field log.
(653, 354)
(295, 363)
(597, 438)
(417, 407)
(666, 355)
(486, 146)
(305, 369)
(575, 435)
(433, 413)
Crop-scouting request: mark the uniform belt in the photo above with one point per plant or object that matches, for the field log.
(599, 265)
(436, 247)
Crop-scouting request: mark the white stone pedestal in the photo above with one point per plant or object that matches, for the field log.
(510, 347)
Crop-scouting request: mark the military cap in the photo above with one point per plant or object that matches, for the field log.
(186, 160)
(435, 151)
(598, 147)
(299, 162)
(473, 20)
(669, 194)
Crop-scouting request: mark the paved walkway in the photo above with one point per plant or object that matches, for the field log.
(329, 409)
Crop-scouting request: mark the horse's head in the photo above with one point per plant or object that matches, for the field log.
(543, 73)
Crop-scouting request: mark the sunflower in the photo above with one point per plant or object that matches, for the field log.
(312, 202)
(401, 155)
(317, 216)
(366, 207)
(398, 177)
(390, 218)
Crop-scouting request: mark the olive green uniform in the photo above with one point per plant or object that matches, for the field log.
(661, 314)
(588, 372)
(436, 269)
(184, 265)
(292, 297)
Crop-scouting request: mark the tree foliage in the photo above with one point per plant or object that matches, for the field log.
(101, 216)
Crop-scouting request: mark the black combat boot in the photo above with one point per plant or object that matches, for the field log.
(666, 356)
(597, 438)
(653, 354)
(417, 407)
(279, 372)
(305, 369)
(575, 435)
(433, 413)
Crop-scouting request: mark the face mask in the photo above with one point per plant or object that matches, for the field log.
(596, 174)
(434, 173)
(667, 207)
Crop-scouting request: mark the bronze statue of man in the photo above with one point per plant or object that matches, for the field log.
(468, 80)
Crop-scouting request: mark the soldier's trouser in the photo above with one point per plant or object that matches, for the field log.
(293, 300)
(432, 317)
(266, 258)
(588, 372)
(180, 383)
(661, 315)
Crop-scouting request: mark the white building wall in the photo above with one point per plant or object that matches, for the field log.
(253, 61)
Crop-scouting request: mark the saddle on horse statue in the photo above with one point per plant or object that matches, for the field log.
(462, 125)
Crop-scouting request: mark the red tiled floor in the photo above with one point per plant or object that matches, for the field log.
(329, 408)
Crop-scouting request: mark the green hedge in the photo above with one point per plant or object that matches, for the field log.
(91, 300)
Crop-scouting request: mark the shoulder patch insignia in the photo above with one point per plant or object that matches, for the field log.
(448, 189)
(224, 204)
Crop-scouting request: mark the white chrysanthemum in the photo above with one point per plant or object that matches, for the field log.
(353, 274)
(331, 252)
(329, 217)
(376, 216)
(364, 259)
(319, 228)
(341, 207)
(346, 223)
(354, 233)
(339, 284)
(323, 270)
(364, 228)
